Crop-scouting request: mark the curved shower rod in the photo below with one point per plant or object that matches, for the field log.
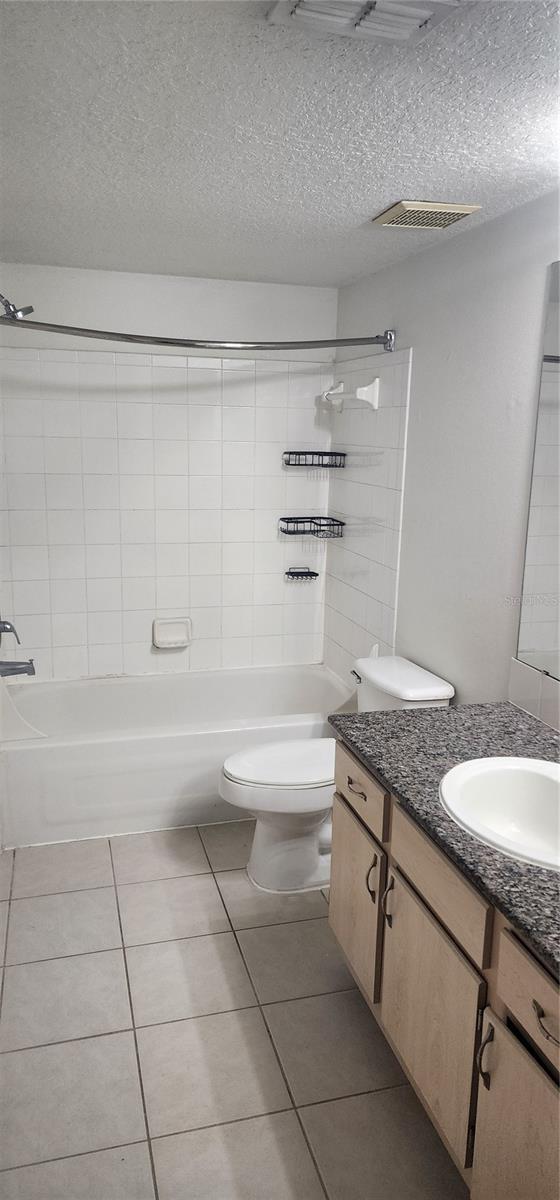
(17, 316)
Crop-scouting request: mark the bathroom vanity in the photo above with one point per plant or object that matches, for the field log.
(454, 946)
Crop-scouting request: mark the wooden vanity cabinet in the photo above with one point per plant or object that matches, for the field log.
(419, 938)
(357, 883)
(516, 1145)
(431, 1000)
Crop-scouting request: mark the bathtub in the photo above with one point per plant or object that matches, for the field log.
(94, 757)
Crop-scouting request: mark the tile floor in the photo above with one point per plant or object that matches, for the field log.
(168, 1032)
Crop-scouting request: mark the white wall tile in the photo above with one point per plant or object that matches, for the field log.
(24, 455)
(145, 484)
(63, 455)
(204, 424)
(61, 418)
(29, 562)
(103, 561)
(204, 458)
(135, 420)
(64, 491)
(105, 660)
(100, 491)
(136, 456)
(67, 562)
(170, 422)
(99, 456)
(102, 526)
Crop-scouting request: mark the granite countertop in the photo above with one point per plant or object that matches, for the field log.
(410, 750)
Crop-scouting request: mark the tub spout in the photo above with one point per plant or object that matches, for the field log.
(17, 668)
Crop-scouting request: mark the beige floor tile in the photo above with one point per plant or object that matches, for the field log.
(262, 1159)
(209, 1070)
(162, 855)
(288, 961)
(171, 908)
(3, 923)
(189, 978)
(248, 906)
(6, 861)
(66, 1099)
(123, 1174)
(63, 867)
(64, 998)
(228, 846)
(302, 1031)
(381, 1146)
(69, 923)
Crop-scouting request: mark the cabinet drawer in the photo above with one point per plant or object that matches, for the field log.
(530, 995)
(362, 793)
(459, 907)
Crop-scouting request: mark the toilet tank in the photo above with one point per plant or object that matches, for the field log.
(392, 682)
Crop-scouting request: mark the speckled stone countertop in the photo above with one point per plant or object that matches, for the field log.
(410, 751)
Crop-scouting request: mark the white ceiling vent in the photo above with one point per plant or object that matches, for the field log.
(424, 214)
(371, 21)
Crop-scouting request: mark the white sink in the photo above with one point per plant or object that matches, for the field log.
(510, 803)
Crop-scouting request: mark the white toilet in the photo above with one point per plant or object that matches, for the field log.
(288, 786)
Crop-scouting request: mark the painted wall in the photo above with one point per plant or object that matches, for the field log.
(473, 310)
(166, 305)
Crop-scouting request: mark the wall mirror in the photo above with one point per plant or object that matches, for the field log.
(538, 641)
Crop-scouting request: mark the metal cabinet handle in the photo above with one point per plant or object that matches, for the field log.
(540, 1014)
(484, 1075)
(368, 873)
(352, 788)
(384, 897)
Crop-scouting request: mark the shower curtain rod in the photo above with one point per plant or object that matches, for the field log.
(17, 316)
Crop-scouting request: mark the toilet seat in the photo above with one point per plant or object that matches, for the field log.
(308, 763)
(281, 777)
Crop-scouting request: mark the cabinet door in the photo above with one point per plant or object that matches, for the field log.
(430, 1004)
(357, 879)
(516, 1142)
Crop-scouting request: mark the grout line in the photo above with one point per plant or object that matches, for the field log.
(275, 1051)
(41, 1162)
(138, 1067)
(100, 887)
(86, 1037)
(391, 1087)
(5, 946)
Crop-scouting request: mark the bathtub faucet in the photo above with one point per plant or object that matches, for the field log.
(17, 668)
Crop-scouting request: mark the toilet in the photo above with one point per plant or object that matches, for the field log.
(288, 786)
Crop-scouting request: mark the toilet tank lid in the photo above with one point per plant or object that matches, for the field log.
(403, 679)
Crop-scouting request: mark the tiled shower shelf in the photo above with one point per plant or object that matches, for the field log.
(319, 527)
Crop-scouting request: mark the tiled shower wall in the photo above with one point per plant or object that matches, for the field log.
(140, 485)
(362, 568)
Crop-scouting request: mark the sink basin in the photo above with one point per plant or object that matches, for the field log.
(512, 804)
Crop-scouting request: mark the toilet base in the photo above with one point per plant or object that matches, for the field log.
(291, 853)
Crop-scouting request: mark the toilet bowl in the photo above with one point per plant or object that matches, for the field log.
(289, 786)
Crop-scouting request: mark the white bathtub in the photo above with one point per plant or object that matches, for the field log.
(122, 755)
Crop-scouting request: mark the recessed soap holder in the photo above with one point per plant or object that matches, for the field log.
(171, 633)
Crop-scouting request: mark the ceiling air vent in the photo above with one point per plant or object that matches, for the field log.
(375, 21)
(424, 214)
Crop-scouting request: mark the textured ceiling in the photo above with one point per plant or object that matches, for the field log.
(197, 139)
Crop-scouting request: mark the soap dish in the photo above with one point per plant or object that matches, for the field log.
(171, 633)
